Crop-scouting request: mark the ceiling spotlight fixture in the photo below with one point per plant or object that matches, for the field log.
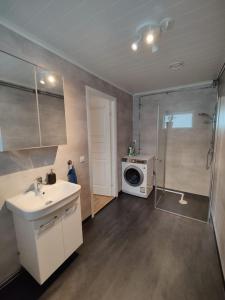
(177, 65)
(51, 79)
(42, 81)
(155, 48)
(149, 38)
(166, 24)
(134, 46)
(151, 33)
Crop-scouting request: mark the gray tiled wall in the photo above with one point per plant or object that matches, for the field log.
(19, 168)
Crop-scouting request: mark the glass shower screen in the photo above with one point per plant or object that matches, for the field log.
(173, 127)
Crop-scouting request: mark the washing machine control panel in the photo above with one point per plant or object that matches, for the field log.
(134, 160)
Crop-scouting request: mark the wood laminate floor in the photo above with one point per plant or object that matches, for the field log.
(100, 201)
(132, 251)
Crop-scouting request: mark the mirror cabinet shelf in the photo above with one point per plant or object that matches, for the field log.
(32, 112)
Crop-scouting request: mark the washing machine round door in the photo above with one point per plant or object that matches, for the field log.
(133, 175)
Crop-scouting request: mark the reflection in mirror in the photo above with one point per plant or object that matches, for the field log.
(18, 105)
(51, 107)
(32, 110)
(49, 82)
(15, 71)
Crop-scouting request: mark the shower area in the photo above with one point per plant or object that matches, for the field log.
(178, 127)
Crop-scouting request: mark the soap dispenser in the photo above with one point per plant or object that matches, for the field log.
(51, 177)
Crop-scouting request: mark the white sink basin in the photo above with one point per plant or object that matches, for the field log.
(52, 197)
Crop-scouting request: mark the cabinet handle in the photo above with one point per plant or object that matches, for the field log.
(49, 223)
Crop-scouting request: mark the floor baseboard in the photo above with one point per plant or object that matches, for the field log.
(217, 250)
(10, 278)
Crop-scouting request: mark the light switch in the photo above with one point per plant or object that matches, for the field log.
(82, 159)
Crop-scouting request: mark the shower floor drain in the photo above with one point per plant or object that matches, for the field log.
(183, 202)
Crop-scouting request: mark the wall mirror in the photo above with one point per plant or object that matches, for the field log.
(18, 105)
(51, 107)
(32, 110)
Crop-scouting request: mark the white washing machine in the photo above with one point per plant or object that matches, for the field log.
(137, 175)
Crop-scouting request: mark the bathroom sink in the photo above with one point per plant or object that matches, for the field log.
(52, 197)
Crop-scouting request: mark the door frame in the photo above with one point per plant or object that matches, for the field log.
(113, 127)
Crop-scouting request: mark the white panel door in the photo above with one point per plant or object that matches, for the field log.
(100, 140)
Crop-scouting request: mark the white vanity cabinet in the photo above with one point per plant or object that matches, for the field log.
(45, 243)
(71, 228)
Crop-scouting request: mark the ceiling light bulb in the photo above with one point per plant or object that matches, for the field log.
(42, 82)
(149, 38)
(134, 46)
(51, 78)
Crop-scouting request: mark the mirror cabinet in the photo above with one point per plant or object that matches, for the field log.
(32, 112)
